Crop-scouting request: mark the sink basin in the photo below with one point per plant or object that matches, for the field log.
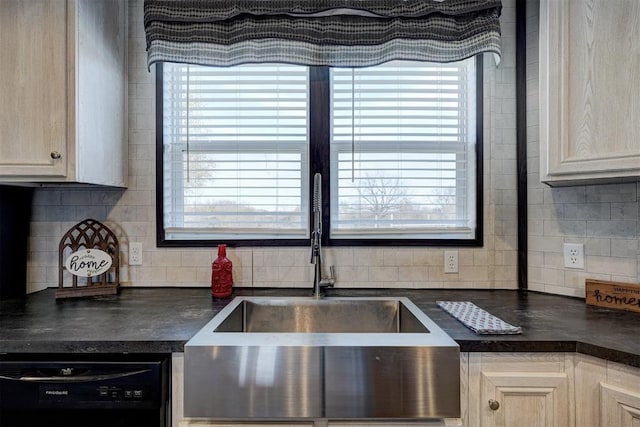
(321, 316)
(339, 358)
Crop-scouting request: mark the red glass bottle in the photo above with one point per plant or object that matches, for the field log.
(221, 274)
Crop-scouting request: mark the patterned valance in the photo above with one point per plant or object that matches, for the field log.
(339, 33)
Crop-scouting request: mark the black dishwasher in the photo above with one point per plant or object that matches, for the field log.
(79, 393)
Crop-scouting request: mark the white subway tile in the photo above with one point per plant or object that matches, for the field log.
(413, 273)
(625, 248)
(301, 276)
(536, 259)
(624, 211)
(199, 258)
(559, 227)
(165, 258)
(595, 246)
(383, 274)
(612, 265)
(597, 211)
(622, 229)
(623, 192)
(427, 256)
(265, 275)
(347, 274)
(552, 276)
(181, 274)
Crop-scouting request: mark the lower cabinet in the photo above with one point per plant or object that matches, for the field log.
(607, 393)
(519, 389)
(619, 407)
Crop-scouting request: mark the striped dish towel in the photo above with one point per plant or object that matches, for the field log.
(476, 319)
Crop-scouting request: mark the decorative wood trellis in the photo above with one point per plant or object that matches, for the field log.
(89, 234)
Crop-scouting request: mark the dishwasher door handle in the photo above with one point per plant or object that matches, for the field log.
(78, 379)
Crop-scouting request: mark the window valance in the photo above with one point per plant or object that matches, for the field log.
(338, 33)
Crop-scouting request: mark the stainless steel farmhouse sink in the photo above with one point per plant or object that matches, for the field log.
(340, 358)
(354, 315)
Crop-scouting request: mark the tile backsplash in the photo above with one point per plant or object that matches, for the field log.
(130, 213)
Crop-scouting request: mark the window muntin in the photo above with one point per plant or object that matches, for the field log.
(420, 147)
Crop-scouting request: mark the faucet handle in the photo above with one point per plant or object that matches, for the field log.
(331, 280)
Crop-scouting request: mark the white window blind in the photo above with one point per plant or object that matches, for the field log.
(403, 151)
(235, 151)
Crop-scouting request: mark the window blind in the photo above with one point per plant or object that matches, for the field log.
(403, 151)
(235, 151)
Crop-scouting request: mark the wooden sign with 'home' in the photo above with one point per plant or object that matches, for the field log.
(616, 295)
(88, 251)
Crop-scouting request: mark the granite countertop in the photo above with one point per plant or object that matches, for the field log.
(162, 320)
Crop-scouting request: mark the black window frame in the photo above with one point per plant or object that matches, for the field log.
(319, 153)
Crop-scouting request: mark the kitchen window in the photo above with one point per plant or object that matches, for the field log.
(398, 146)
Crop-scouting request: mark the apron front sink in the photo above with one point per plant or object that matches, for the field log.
(341, 358)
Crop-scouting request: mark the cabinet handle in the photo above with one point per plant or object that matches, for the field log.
(494, 404)
(55, 155)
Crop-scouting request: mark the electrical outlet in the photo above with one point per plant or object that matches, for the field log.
(135, 253)
(574, 255)
(450, 261)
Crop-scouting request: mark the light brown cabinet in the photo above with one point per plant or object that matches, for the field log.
(607, 393)
(589, 86)
(523, 389)
(63, 91)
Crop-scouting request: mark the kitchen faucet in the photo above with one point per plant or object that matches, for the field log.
(319, 284)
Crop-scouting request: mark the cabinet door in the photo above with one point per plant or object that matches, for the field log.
(525, 399)
(589, 85)
(619, 407)
(520, 389)
(33, 88)
(620, 396)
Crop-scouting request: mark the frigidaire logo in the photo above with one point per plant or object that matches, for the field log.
(57, 392)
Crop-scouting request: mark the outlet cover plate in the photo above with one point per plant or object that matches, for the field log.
(450, 261)
(574, 256)
(135, 253)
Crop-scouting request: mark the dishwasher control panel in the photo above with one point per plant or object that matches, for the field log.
(28, 384)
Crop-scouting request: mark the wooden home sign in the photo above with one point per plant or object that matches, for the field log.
(616, 295)
(89, 254)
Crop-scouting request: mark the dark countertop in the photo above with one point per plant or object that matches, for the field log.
(162, 320)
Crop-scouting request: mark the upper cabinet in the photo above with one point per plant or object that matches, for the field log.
(63, 92)
(589, 91)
